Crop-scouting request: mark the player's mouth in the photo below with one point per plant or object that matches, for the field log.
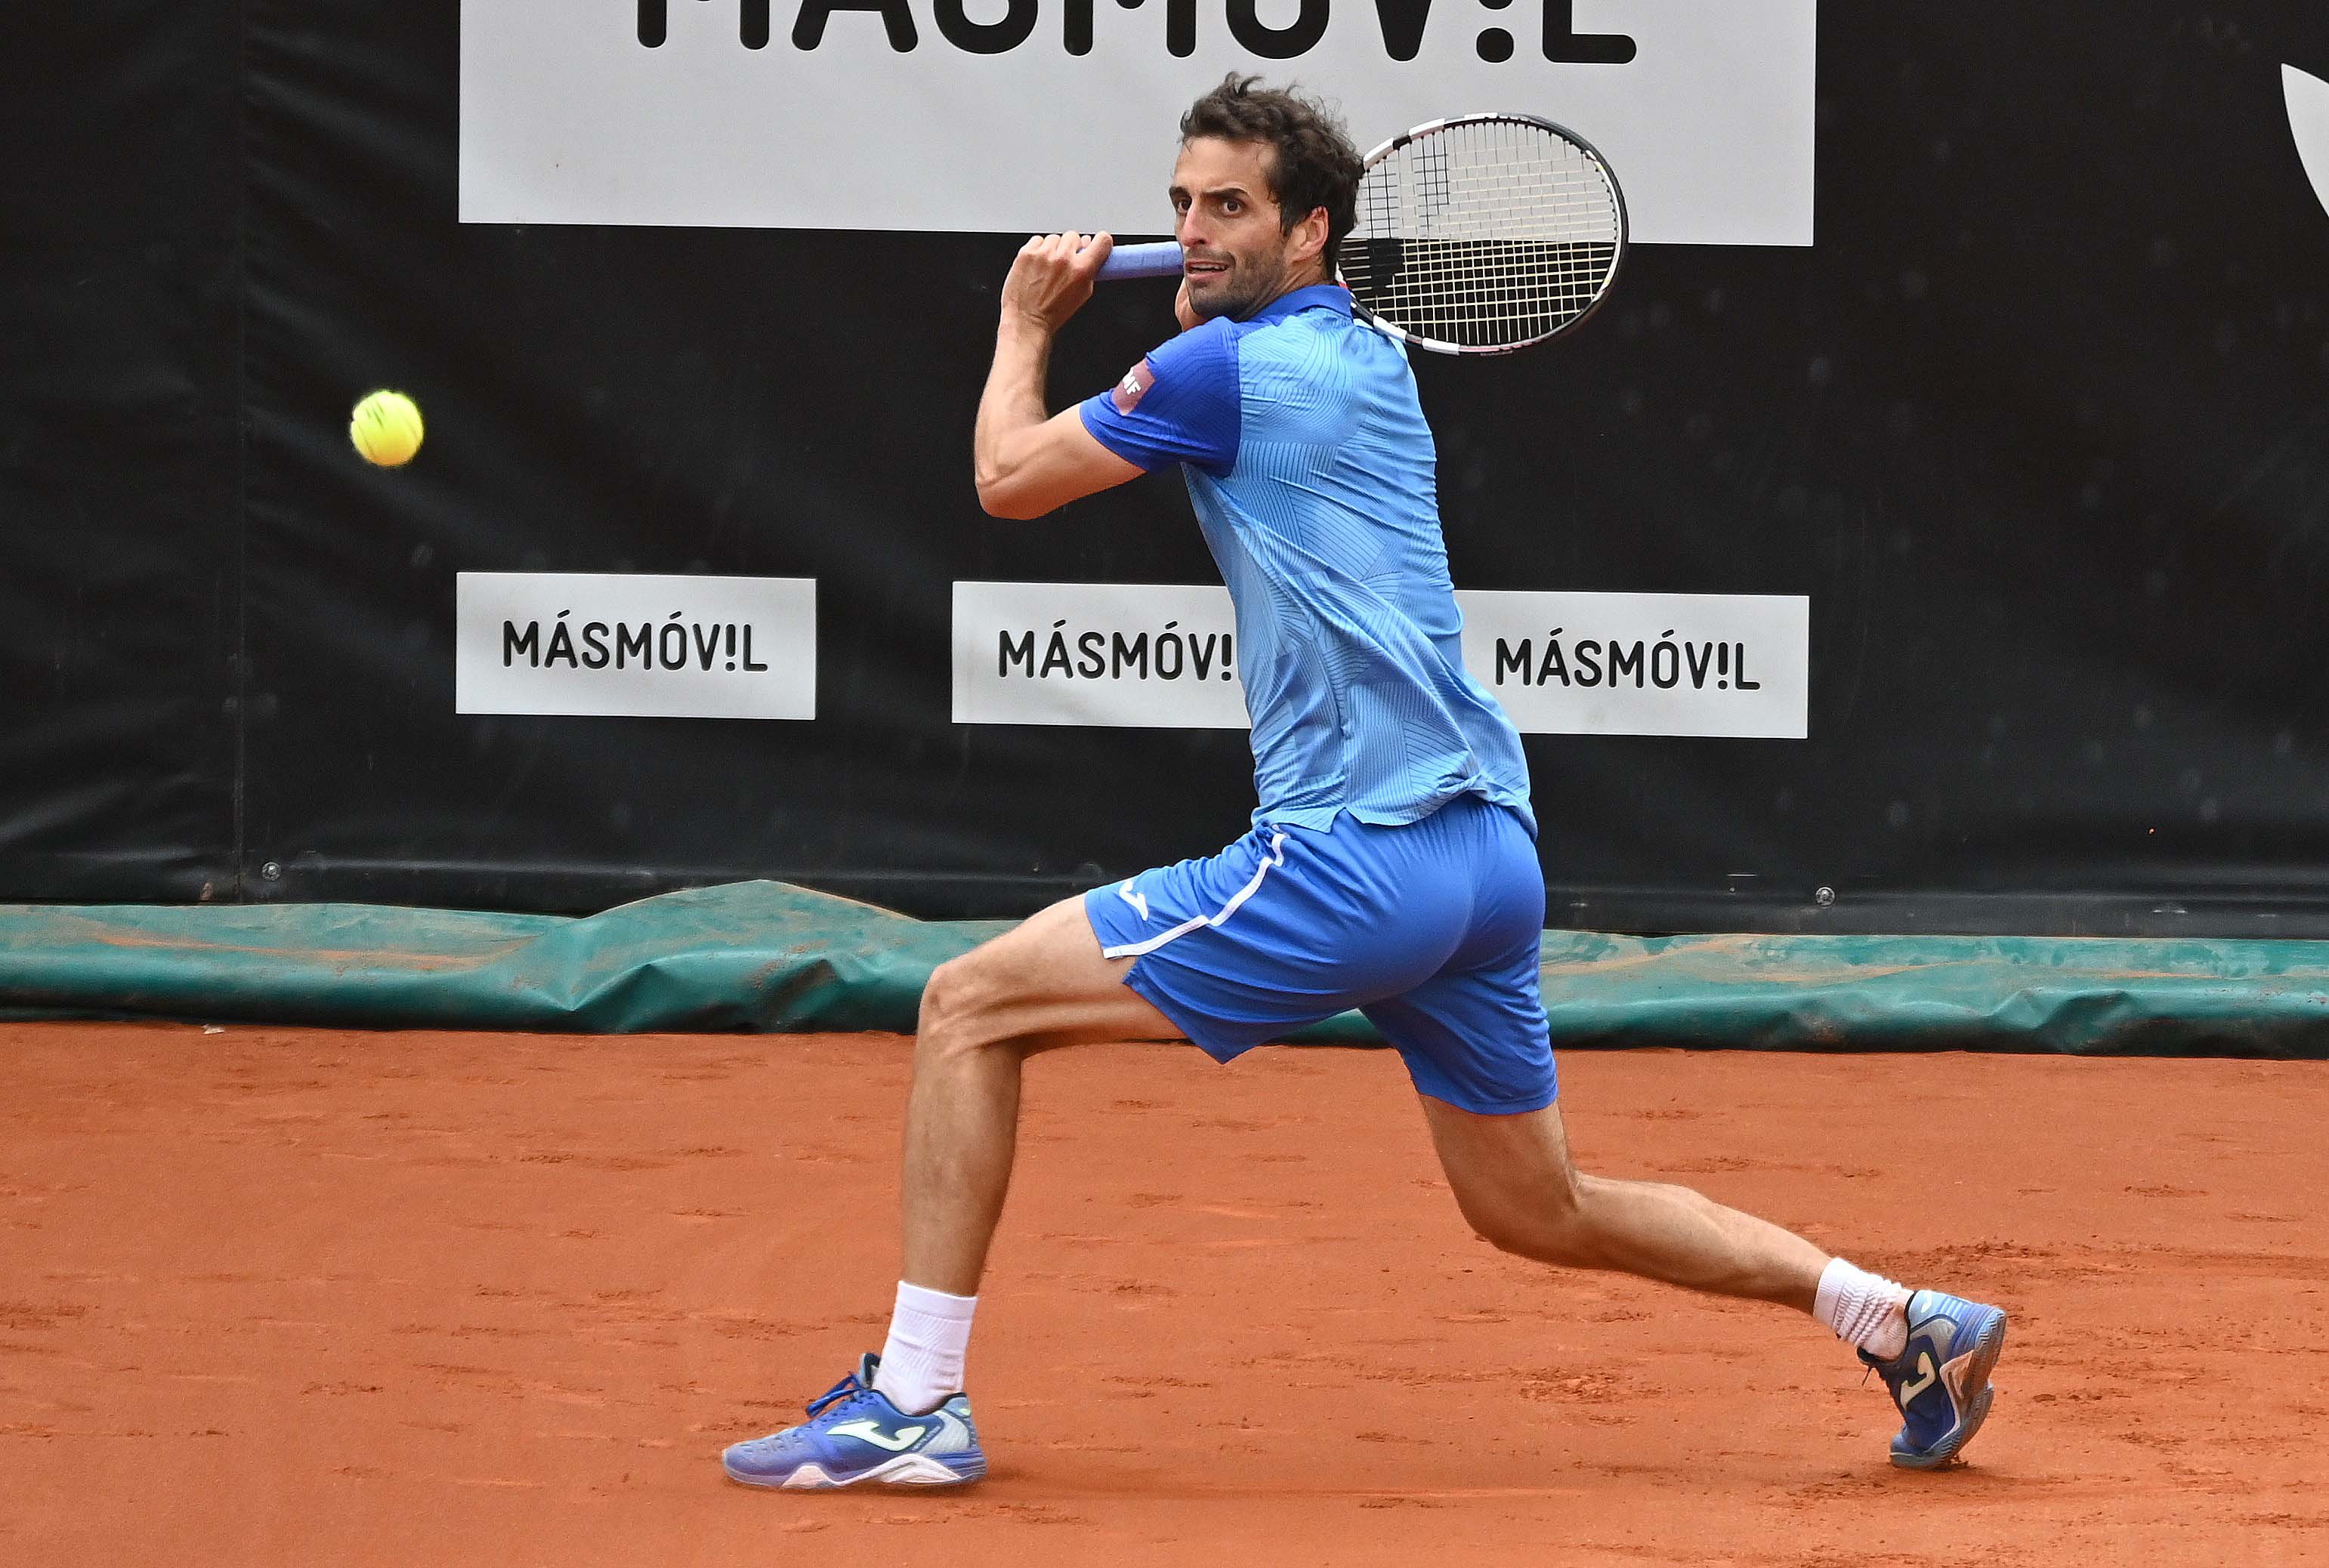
(1203, 267)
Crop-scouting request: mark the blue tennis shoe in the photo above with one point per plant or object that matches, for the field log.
(855, 1434)
(1940, 1380)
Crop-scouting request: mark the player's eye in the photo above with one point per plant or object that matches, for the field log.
(1232, 206)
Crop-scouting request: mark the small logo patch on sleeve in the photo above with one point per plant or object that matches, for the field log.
(1135, 386)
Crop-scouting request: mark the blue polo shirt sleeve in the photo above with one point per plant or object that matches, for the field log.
(1180, 404)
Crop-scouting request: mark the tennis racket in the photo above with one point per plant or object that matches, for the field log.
(1477, 235)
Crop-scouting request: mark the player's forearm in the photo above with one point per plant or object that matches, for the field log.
(1010, 411)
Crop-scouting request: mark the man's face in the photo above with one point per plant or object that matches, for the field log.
(1239, 258)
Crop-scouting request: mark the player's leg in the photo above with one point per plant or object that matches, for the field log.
(1517, 1188)
(1042, 985)
(1476, 1040)
(902, 1418)
(1223, 951)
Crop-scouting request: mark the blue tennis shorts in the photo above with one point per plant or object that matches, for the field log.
(1432, 929)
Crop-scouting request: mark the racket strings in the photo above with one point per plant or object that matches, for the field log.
(1483, 234)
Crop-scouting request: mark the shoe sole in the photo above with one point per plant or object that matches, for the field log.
(1985, 1352)
(912, 1469)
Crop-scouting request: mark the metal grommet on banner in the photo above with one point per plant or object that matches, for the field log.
(1824, 898)
(272, 871)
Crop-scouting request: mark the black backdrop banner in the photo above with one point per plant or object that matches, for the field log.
(2038, 427)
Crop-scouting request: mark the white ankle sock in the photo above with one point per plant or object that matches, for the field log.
(1864, 1309)
(929, 1339)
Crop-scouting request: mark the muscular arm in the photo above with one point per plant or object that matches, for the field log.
(1026, 464)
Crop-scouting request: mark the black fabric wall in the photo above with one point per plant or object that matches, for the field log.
(2040, 425)
(121, 529)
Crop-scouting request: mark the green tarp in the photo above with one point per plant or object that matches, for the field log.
(761, 956)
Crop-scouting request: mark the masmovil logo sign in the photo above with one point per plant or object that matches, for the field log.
(634, 645)
(1127, 655)
(1022, 115)
(1165, 656)
(1736, 665)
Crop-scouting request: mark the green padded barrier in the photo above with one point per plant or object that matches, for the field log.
(747, 956)
(761, 956)
(2122, 996)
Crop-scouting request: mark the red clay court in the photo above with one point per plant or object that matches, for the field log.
(282, 1296)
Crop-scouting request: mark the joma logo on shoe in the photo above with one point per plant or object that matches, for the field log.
(869, 1431)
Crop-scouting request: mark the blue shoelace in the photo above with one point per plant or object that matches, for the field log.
(845, 1393)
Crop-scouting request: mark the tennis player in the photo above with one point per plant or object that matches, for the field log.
(1392, 866)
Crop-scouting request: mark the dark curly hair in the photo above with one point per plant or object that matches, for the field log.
(1313, 162)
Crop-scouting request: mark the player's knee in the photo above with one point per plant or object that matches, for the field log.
(1495, 1220)
(1547, 1227)
(956, 1004)
(1501, 1232)
(950, 1001)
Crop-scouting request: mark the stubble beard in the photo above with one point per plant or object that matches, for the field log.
(1246, 285)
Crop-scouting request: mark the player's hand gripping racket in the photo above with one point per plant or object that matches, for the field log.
(1477, 235)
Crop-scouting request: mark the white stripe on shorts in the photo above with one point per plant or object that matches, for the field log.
(1276, 857)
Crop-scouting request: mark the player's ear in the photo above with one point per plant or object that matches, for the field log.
(1309, 236)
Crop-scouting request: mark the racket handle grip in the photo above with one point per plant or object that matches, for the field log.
(1158, 260)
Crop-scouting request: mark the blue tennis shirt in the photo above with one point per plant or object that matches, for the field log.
(1313, 476)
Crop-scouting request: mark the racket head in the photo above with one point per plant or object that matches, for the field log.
(1484, 233)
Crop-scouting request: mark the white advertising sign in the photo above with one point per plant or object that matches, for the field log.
(1712, 664)
(1127, 655)
(634, 645)
(1014, 115)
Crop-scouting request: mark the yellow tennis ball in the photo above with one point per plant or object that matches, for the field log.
(386, 428)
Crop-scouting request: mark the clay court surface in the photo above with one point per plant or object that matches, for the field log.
(269, 1296)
